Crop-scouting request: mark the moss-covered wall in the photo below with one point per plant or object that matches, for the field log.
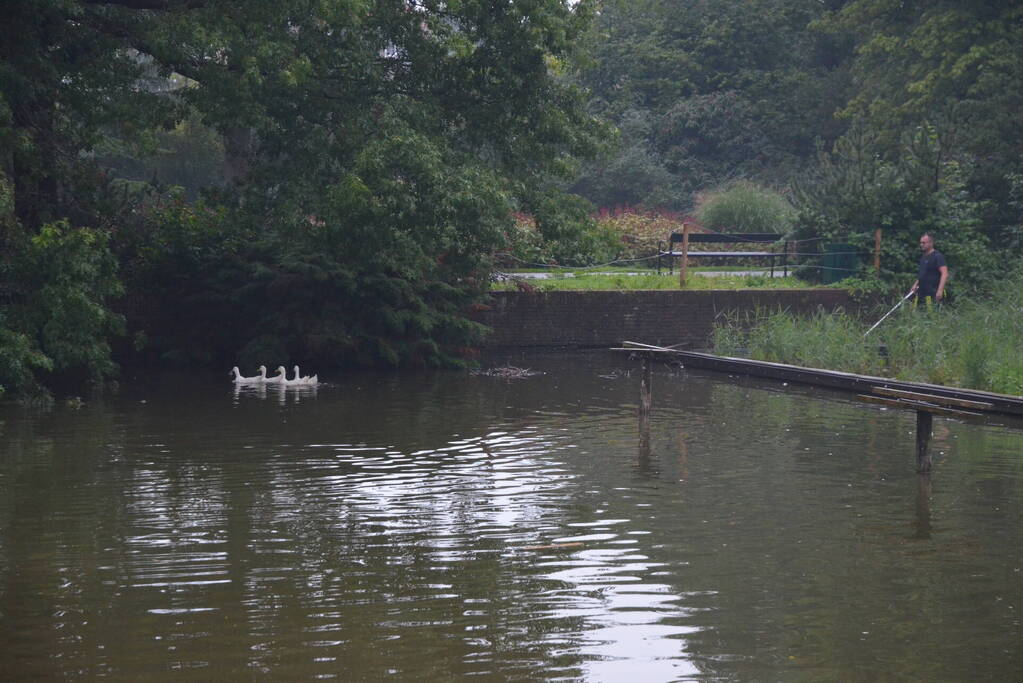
(662, 317)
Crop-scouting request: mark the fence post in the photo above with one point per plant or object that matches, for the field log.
(877, 251)
(684, 265)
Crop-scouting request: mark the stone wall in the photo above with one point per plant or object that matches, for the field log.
(662, 317)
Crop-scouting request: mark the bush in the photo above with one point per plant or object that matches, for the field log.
(745, 207)
(561, 232)
(57, 326)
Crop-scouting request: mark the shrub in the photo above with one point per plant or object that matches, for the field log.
(57, 325)
(745, 207)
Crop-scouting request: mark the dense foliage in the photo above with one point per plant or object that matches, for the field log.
(710, 91)
(358, 163)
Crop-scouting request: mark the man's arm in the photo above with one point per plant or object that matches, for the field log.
(938, 295)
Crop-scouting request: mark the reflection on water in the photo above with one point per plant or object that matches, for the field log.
(281, 392)
(440, 526)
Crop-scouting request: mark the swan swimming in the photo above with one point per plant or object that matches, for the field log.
(306, 381)
(255, 379)
(280, 378)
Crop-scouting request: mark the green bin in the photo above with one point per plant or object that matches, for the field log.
(839, 262)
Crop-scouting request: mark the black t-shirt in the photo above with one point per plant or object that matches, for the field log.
(929, 273)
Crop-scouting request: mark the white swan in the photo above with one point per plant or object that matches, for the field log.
(300, 380)
(280, 378)
(255, 379)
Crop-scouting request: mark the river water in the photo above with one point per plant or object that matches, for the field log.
(437, 526)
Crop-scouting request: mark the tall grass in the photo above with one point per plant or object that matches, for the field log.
(974, 343)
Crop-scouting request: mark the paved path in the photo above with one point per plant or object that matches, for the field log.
(778, 272)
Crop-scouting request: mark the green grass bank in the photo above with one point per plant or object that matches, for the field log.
(969, 343)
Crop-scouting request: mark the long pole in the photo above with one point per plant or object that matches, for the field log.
(901, 301)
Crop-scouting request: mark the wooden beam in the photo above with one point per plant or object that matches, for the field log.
(933, 398)
(906, 404)
(846, 381)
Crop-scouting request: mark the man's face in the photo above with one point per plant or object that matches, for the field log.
(926, 243)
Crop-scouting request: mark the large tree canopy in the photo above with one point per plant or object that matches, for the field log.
(373, 153)
(709, 91)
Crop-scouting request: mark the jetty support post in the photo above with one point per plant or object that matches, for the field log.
(923, 438)
(645, 402)
(923, 506)
(645, 393)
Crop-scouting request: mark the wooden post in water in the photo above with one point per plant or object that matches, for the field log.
(877, 250)
(923, 506)
(645, 401)
(923, 439)
(645, 396)
(684, 265)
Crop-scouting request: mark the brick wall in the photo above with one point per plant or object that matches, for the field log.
(663, 317)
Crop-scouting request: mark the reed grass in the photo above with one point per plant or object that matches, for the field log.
(973, 344)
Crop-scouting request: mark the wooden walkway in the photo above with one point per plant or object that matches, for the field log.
(847, 381)
(926, 400)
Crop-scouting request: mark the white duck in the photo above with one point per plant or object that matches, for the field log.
(306, 381)
(280, 378)
(255, 379)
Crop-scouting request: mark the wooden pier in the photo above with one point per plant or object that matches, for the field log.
(927, 400)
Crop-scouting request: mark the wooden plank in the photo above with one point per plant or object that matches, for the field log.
(934, 398)
(919, 406)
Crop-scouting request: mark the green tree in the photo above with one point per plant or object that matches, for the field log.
(723, 90)
(955, 70)
(373, 151)
(852, 191)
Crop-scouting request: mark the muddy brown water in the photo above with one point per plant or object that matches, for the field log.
(437, 526)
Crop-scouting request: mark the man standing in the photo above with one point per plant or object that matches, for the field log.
(932, 274)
